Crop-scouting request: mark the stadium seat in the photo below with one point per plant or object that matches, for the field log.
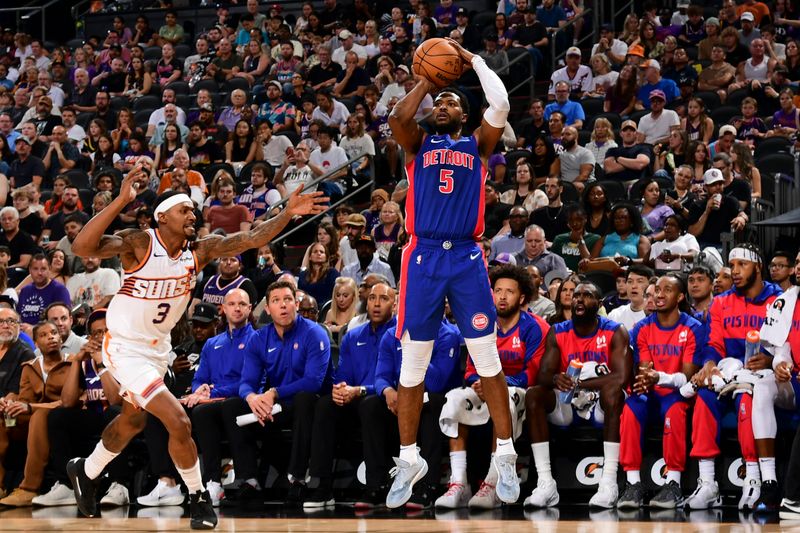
(772, 145)
(185, 101)
(615, 190)
(776, 163)
(591, 107)
(584, 137)
(605, 281)
(211, 170)
(570, 193)
(710, 99)
(118, 102)
(141, 117)
(209, 85)
(183, 50)
(735, 98)
(87, 198)
(237, 83)
(180, 87)
(292, 135)
(80, 179)
(615, 119)
(83, 120)
(152, 53)
(636, 116)
(724, 114)
(72, 44)
(147, 102)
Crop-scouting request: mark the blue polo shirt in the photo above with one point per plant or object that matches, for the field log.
(221, 362)
(298, 362)
(669, 87)
(358, 355)
(572, 110)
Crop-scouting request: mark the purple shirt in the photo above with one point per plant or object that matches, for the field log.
(782, 119)
(33, 301)
(656, 218)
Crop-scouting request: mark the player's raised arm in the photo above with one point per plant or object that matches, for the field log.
(214, 246)
(494, 119)
(405, 129)
(92, 242)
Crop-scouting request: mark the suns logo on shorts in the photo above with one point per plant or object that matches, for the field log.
(480, 321)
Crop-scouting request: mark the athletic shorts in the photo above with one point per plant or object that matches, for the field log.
(139, 368)
(433, 270)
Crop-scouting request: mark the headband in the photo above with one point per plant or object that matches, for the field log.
(171, 202)
(744, 254)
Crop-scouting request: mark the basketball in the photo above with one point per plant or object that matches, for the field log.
(437, 61)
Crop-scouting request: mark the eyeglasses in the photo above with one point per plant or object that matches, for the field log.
(9, 321)
(778, 265)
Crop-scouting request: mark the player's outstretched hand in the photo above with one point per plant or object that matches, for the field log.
(466, 55)
(130, 185)
(306, 204)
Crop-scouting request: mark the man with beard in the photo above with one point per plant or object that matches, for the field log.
(722, 282)
(665, 345)
(630, 160)
(575, 163)
(54, 225)
(733, 314)
(553, 217)
(446, 218)
(82, 97)
(589, 339)
(139, 326)
(202, 152)
(103, 111)
(94, 286)
(61, 156)
(513, 241)
(279, 113)
(367, 263)
(519, 342)
(228, 277)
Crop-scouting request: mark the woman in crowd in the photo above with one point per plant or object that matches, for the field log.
(340, 215)
(698, 159)
(139, 80)
(6, 157)
(385, 75)
(543, 159)
(125, 128)
(105, 157)
(59, 268)
(168, 68)
(604, 78)
(137, 148)
(388, 232)
(786, 120)
(744, 168)
(97, 127)
(654, 210)
(630, 29)
(5, 290)
(355, 142)
(653, 48)
(597, 207)
(680, 197)
(669, 157)
(242, 148)
(563, 300)
(427, 30)
(696, 123)
(329, 238)
(81, 60)
(319, 279)
(625, 244)
(166, 150)
(104, 182)
(793, 61)
(255, 63)
(53, 204)
(344, 305)
(523, 192)
(621, 99)
(602, 139)
(373, 213)
(505, 35)
(676, 249)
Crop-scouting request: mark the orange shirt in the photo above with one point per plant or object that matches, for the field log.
(759, 11)
(193, 179)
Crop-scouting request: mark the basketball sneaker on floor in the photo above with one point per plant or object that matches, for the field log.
(544, 495)
(790, 509)
(116, 496)
(456, 497)
(486, 498)
(669, 497)
(405, 477)
(507, 487)
(57, 495)
(770, 499)
(216, 492)
(705, 496)
(201, 512)
(632, 497)
(606, 496)
(162, 494)
(751, 491)
(84, 487)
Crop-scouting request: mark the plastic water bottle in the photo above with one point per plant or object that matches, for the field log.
(752, 344)
(573, 371)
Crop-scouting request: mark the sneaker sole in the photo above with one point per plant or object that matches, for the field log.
(166, 502)
(665, 505)
(62, 503)
(406, 496)
(629, 505)
(552, 502)
(786, 514)
(319, 505)
(711, 505)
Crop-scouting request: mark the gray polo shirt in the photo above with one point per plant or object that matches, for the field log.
(571, 161)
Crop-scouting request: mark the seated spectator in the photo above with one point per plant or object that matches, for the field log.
(180, 170)
(637, 279)
(625, 245)
(697, 123)
(750, 128)
(203, 151)
(676, 250)
(785, 121)
(654, 210)
(602, 139)
(273, 149)
(242, 148)
(171, 118)
(344, 305)
(669, 155)
(29, 222)
(367, 262)
(534, 252)
(552, 218)
(621, 98)
(630, 161)
(575, 163)
(238, 110)
(260, 194)
(514, 241)
(279, 113)
(168, 68)
(573, 112)
(105, 157)
(579, 77)
(390, 229)
(139, 80)
(285, 65)
(355, 142)
(715, 213)
(373, 213)
(353, 80)
(95, 286)
(295, 171)
(577, 243)
(324, 73)
(226, 214)
(26, 168)
(523, 193)
(255, 63)
(125, 128)
(603, 78)
(744, 168)
(330, 111)
(319, 278)
(655, 127)
(171, 32)
(543, 158)
(296, 376)
(20, 244)
(563, 297)
(59, 269)
(754, 71)
(228, 277)
(325, 159)
(653, 81)
(555, 127)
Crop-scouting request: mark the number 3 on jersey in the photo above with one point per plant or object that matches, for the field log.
(163, 311)
(445, 181)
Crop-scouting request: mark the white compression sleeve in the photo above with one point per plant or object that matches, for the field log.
(675, 381)
(495, 92)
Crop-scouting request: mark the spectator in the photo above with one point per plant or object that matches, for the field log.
(781, 269)
(182, 172)
(654, 211)
(785, 121)
(238, 110)
(326, 159)
(612, 48)
(73, 223)
(373, 213)
(676, 250)
(367, 262)
(603, 78)
(726, 211)
(556, 128)
(94, 286)
(513, 241)
(227, 215)
(602, 139)
(390, 230)
(748, 32)
(105, 157)
(654, 128)
(27, 168)
(539, 305)
(630, 161)
(621, 99)
(495, 212)
(755, 71)
(575, 163)
(563, 296)
(531, 35)
(330, 111)
(523, 193)
(21, 244)
(577, 243)
(357, 144)
(573, 112)
(653, 81)
(159, 118)
(348, 45)
(579, 77)
(170, 141)
(226, 64)
(295, 171)
(260, 194)
(494, 54)
(34, 298)
(750, 128)
(319, 278)
(29, 222)
(553, 217)
(324, 74)
(344, 305)
(626, 244)
(202, 152)
(537, 126)
(543, 157)
(279, 113)
(168, 68)
(242, 148)
(171, 32)
(534, 252)
(227, 278)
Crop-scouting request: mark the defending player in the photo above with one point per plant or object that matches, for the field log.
(665, 344)
(161, 266)
(444, 219)
(586, 338)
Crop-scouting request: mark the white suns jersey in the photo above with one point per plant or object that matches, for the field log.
(153, 297)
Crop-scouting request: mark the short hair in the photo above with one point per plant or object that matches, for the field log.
(462, 99)
(640, 270)
(534, 227)
(40, 257)
(263, 167)
(9, 209)
(53, 306)
(782, 253)
(276, 285)
(722, 156)
(516, 273)
(5, 250)
(199, 124)
(40, 325)
(702, 269)
(73, 217)
(595, 289)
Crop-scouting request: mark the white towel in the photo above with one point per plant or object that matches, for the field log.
(463, 406)
(776, 326)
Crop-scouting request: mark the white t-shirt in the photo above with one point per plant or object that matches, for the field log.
(618, 48)
(333, 158)
(655, 129)
(91, 288)
(581, 82)
(339, 54)
(275, 150)
(682, 245)
(293, 177)
(157, 117)
(357, 146)
(338, 115)
(392, 90)
(607, 81)
(627, 316)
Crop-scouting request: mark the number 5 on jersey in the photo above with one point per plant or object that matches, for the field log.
(445, 181)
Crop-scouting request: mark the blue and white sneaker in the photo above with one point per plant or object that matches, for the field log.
(405, 476)
(507, 480)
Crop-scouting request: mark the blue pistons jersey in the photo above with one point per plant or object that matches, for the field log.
(446, 189)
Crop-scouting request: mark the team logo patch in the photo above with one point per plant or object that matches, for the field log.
(480, 321)
(683, 336)
(601, 343)
(589, 470)
(736, 472)
(296, 346)
(658, 472)
(241, 346)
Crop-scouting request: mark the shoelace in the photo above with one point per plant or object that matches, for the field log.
(452, 488)
(485, 489)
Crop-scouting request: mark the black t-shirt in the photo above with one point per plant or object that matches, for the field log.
(261, 278)
(55, 223)
(11, 366)
(318, 74)
(84, 99)
(201, 157)
(530, 34)
(630, 152)
(21, 244)
(531, 130)
(23, 172)
(358, 79)
(718, 221)
(494, 216)
(741, 53)
(114, 83)
(31, 224)
(44, 126)
(739, 189)
(553, 220)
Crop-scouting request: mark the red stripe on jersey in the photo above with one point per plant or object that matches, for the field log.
(480, 224)
(408, 251)
(410, 200)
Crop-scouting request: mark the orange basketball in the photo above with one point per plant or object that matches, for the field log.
(437, 61)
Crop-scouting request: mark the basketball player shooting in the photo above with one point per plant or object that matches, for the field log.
(161, 267)
(444, 219)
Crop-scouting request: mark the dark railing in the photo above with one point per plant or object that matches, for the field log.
(27, 11)
(554, 36)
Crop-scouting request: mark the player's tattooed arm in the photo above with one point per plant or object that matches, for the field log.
(215, 246)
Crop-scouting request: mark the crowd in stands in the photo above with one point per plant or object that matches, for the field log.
(637, 160)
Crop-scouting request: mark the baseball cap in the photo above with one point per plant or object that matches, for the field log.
(727, 128)
(712, 175)
(747, 16)
(651, 63)
(204, 313)
(636, 50)
(6, 299)
(345, 34)
(682, 4)
(116, 46)
(555, 274)
(277, 84)
(628, 124)
(381, 194)
(607, 27)
(404, 68)
(356, 219)
(504, 258)
(24, 139)
(714, 21)
(366, 239)
(658, 93)
(574, 51)
(462, 11)
(276, 7)
(206, 106)
(781, 68)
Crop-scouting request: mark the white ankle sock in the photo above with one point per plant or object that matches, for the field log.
(706, 469)
(491, 475)
(673, 475)
(753, 472)
(610, 461)
(505, 447)
(458, 467)
(409, 453)
(541, 459)
(767, 467)
(98, 460)
(633, 476)
(192, 478)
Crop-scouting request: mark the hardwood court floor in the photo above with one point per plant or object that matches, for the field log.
(569, 520)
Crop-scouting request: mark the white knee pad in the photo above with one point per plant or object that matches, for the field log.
(483, 351)
(765, 392)
(416, 358)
